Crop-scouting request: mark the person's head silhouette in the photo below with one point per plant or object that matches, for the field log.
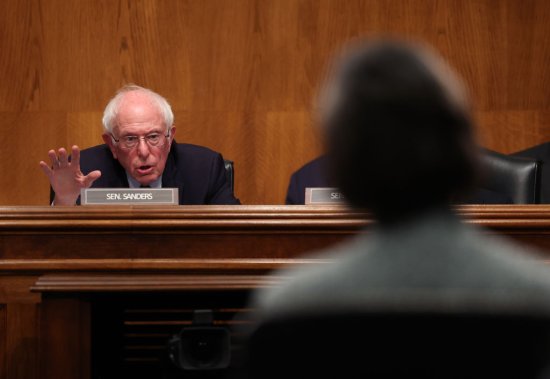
(398, 130)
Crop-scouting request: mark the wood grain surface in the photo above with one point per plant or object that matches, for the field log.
(242, 75)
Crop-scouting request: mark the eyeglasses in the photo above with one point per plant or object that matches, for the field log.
(129, 142)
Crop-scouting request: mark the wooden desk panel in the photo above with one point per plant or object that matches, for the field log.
(172, 232)
(55, 262)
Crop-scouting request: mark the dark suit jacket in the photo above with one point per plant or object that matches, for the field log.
(312, 174)
(197, 172)
(485, 196)
(541, 153)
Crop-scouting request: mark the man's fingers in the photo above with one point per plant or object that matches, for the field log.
(53, 158)
(75, 157)
(63, 157)
(91, 177)
(46, 169)
(60, 158)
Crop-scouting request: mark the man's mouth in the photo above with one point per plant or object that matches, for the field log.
(144, 170)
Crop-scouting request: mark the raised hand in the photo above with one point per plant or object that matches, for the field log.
(65, 176)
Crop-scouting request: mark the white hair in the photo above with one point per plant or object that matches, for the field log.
(112, 108)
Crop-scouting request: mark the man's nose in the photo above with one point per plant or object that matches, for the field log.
(142, 148)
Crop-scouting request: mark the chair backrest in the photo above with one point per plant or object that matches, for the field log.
(230, 173)
(368, 345)
(518, 178)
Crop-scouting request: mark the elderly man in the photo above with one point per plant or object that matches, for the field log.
(139, 151)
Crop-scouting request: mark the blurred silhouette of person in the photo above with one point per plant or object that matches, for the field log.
(400, 144)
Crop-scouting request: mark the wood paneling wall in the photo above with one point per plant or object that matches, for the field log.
(241, 75)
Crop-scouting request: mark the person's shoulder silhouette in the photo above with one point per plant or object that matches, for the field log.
(312, 174)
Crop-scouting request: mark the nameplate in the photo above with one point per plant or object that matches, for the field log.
(135, 196)
(321, 196)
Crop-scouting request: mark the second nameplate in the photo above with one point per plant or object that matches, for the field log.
(323, 196)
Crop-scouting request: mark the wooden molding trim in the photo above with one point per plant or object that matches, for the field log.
(237, 217)
(150, 283)
(180, 266)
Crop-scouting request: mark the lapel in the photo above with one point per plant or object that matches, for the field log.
(169, 176)
(120, 180)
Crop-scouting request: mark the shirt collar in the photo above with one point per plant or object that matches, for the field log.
(135, 184)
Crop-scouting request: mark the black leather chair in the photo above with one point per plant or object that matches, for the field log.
(230, 173)
(517, 178)
(541, 152)
(358, 344)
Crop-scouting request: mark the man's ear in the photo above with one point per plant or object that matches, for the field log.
(109, 142)
(172, 133)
